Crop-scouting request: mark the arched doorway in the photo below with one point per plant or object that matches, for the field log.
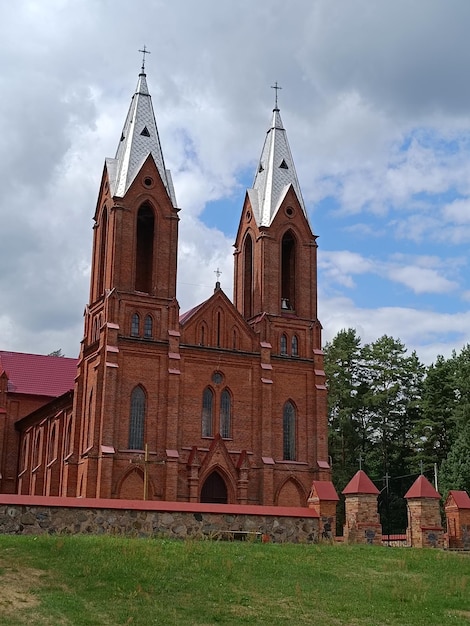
(214, 489)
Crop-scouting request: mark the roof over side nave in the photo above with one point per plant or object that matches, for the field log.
(37, 374)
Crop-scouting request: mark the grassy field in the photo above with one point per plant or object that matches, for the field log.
(105, 580)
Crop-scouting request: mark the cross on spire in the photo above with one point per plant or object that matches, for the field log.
(276, 87)
(144, 52)
(218, 273)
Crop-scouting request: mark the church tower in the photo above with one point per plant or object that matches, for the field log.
(132, 315)
(276, 251)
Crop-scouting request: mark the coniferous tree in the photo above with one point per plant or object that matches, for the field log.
(435, 430)
(455, 469)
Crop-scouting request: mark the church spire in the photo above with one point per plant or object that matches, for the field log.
(139, 138)
(275, 175)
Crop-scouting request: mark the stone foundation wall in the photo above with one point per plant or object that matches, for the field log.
(161, 519)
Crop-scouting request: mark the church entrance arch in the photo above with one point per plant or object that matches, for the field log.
(214, 489)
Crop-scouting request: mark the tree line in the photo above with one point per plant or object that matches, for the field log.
(396, 418)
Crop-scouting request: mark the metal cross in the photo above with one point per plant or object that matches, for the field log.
(360, 460)
(218, 273)
(144, 52)
(276, 87)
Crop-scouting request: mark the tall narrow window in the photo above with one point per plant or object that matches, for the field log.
(225, 414)
(144, 249)
(68, 438)
(135, 325)
(89, 423)
(52, 444)
(248, 278)
(235, 339)
(137, 420)
(288, 271)
(148, 326)
(102, 251)
(283, 345)
(207, 412)
(288, 428)
(295, 346)
(218, 329)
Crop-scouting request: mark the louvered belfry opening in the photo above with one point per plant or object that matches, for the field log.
(144, 250)
(248, 278)
(288, 271)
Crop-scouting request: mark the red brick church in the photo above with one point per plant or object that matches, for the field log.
(224, 403)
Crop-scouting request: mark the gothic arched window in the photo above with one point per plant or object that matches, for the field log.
(137, 419)
(144, 249)
(135, 325)
(207, 412)
(148, 326)
(288, 430)
(295, 346)
(225, 414)
(283, 345)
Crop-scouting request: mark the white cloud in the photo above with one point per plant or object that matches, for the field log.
(376, 112)
(421, 280)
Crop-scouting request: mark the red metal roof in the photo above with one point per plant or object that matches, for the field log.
(360, 483)
(461, 499)
(36, 374)
(422, 488)
(184, 317)
(325, 490)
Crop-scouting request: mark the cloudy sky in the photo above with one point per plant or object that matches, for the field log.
(376, 102)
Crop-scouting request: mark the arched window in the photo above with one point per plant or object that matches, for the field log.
(102, 251)
(53, 444)
(288, 271)
(225, 414)
(203, 335)
(135, 325)
(248, 278)
(144, 249)
(68, 438)
(235, 339)
(295, 346)
(148, 326)
(207, 412)
(283, 345)
(37, 449)
(288, 429)
(137, 419)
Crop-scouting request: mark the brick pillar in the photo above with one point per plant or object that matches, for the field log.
(457, 508)
(362, 519)
(323, 498)
(424, 516)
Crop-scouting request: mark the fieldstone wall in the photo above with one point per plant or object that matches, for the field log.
(35, 519)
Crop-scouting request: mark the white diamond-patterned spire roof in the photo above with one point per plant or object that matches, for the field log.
(275, 174)
(139, 138)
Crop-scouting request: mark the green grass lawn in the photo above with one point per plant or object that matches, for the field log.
(82, 580)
